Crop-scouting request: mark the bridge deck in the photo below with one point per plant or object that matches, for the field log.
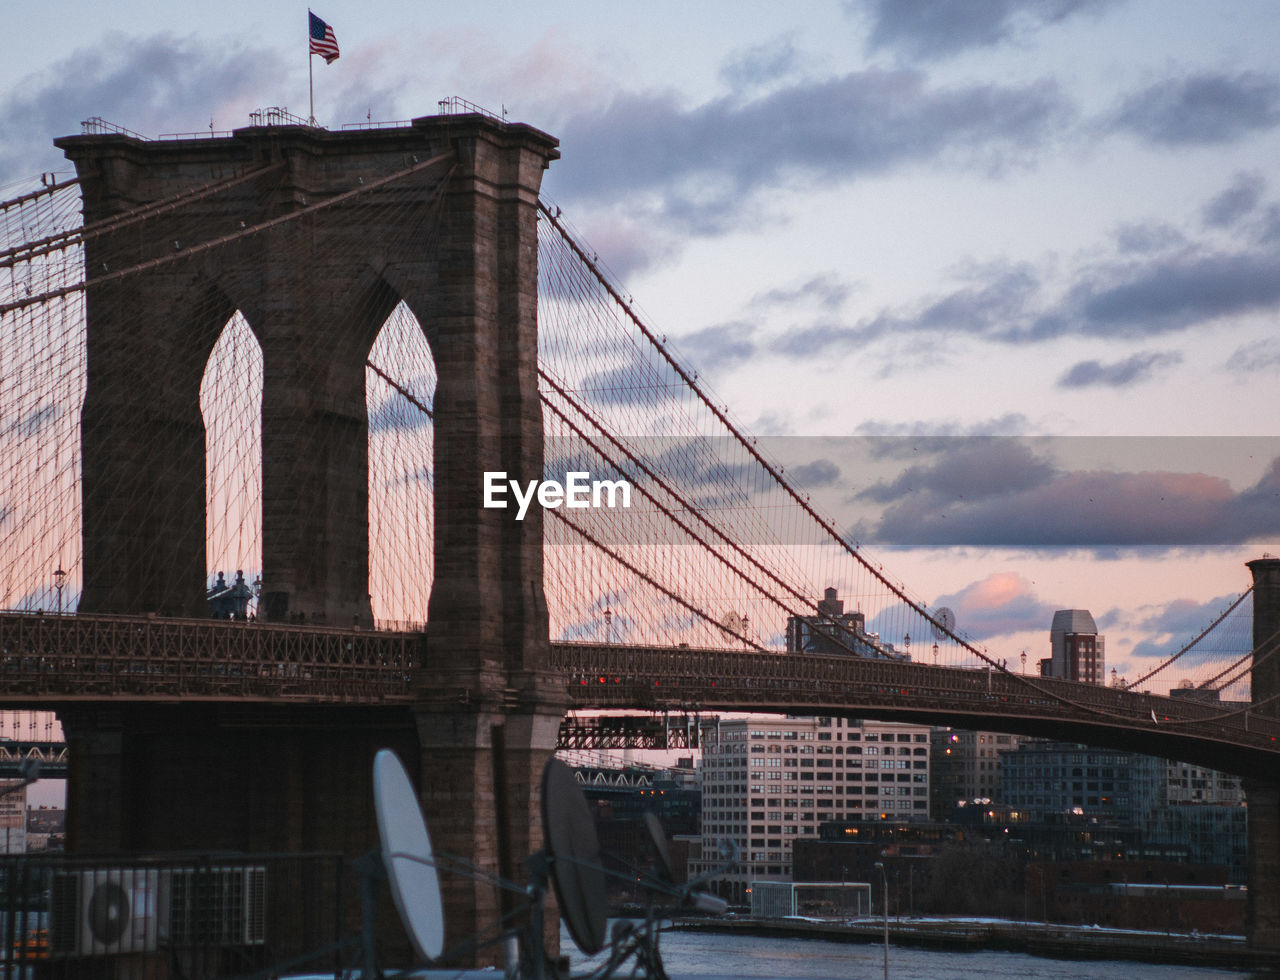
(46, 660)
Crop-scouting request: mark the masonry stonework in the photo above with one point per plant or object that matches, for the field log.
(454, 237)
(1262, 915)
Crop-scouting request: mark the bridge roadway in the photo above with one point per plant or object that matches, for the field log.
(52, 757)
(47, 660)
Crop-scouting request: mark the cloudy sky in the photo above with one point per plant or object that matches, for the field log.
(893, 233)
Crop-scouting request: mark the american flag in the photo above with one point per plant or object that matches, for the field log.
(323, 41)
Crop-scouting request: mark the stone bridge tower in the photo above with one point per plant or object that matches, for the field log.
(314, 237)
(1263, 790)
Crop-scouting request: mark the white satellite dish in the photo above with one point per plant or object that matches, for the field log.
(406, 854)
(944, 621)
(732, 622)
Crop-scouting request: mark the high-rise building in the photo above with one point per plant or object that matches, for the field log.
(767, 782)
(1077, 651)
(1053, 778)
(1194, 784)
(965, 766)
(1166, 802)
(834, 631)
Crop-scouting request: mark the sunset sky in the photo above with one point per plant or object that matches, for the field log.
(893, 234)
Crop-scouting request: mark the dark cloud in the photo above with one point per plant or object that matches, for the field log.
(1260, 355)
(630, 384)
(819, 473)
(1269, 231)
(1256, 511)
(393, 417)
(1186, 618)
(719, 348)
(34, 422)
(903, 439)
(990, 306)
(969, 469)
(763, 63)
(949, 502)
(1144, 290)
(418, 475)
(1166, 294)
(1206, 108)
(1144, 238)
(1132, 370)
(828, 291)
(941, 28)
(1177, 623)
(149, 85)
(818, 339)
(702, 162)
(396, 413)
(1227, 208)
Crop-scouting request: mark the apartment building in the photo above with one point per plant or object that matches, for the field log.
(767, 782)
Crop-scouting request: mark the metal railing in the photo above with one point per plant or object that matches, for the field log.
(456, 104)
(199, 134)
(379, 124)
(50, 658)
(97, 126)
(277, 116)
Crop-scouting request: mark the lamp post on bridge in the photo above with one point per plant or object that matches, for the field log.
(59, 580)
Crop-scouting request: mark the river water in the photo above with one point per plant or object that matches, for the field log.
(712, 956)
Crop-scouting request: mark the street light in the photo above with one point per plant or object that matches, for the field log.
(59, 580)
(885, 878)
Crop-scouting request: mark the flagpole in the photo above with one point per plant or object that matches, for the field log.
(311, 81)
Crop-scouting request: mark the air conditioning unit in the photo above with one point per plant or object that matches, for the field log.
(105, 911)
(108, 911)
(220, 906)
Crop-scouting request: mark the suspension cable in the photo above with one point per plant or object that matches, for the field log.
(1200, 636)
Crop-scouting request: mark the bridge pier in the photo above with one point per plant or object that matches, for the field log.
(1262, 915)
(479, 776)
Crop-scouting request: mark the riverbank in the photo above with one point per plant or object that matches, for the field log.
(1052, 941)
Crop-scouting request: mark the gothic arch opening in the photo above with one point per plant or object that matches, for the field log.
(231, 404)
(400, 388)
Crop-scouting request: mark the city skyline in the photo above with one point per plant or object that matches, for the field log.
(1038, 223)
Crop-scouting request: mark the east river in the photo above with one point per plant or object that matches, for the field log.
(713, 956)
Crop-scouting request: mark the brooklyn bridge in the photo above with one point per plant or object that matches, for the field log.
(299, 353)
